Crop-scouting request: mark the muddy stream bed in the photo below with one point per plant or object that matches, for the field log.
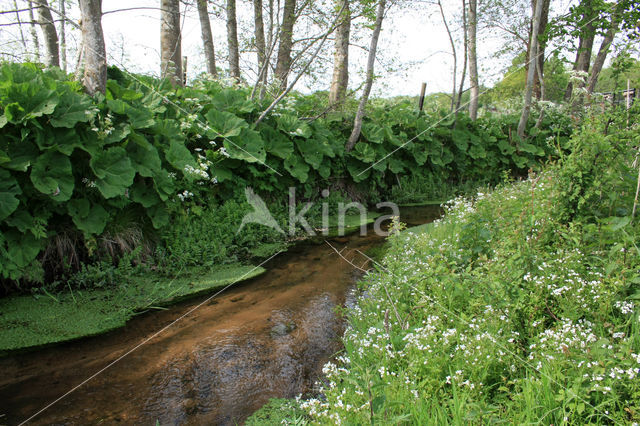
(265, 338)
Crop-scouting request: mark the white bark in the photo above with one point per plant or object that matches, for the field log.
(95, 70)
(533, 59)
(357, 124)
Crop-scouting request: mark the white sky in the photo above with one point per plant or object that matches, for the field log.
(414, 46)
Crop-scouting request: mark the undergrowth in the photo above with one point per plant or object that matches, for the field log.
(519, 306)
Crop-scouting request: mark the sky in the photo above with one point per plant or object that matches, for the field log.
(414, 46)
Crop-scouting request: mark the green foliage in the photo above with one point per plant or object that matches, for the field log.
(504, 311)
(277, 412)
(73, 163)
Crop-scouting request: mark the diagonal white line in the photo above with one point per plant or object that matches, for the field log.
(145, 341)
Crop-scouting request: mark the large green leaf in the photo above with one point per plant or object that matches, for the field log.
(144, 156)
(373, 133)
(52, 175)
(358, 170)
(247, 146)
(138, 118)
(72, 109)
(9, 190)
(22, 249)
(144, 194)
(28, 100)
(297, 168)
(364, 152)
(294, 126)
(22, 155)
(460, 139)
(224, 124)
(90, 219)
(159, 216)
(179, 156)
(276, 143)
(232, 99)
(310, 151)
(113, 170)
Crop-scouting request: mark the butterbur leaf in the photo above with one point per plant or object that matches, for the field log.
(144, 156)
(159, 216)
(248, 146)
(310, 152)
(22, 249)
(373, 133)
(179, 156)
(294, 126)
(144, 195)
(9, 190)
(358, 170)
(52, 175)
(276, 143)
(224, 124)
(72, 109)
(364, 152)
(21, 156)
(114, 171)
(297, 168)
(90, 219)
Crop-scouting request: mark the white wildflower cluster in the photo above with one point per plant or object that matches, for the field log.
(625, 307)
(89, 183)
(106, 127)
(185, 195)
(201, 172)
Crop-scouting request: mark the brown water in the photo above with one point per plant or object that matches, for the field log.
(264, 338)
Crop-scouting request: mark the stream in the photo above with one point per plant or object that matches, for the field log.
(264, 338)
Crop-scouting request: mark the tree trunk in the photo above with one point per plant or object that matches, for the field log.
(542, 46)
(49, 33)
(455, 56)
(232, 40)
(207, 37)
(602, 56)
(357, 124)
(95, 70)
(19, 22)
(63, 36)
(34, 33)
(585, 48)
(170, 42)
(261, 49)
(465, 56)
(340, 80)
(533, 51)
(473, 59)
(283, 64)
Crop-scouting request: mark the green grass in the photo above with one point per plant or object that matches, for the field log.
(33, 321)
(500, 312)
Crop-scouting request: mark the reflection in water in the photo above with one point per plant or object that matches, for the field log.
(262, 339)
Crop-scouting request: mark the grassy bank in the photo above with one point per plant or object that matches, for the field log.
(520, 306)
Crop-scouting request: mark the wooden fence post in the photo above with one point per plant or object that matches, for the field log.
(423, 90)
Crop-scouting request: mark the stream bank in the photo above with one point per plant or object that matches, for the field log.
(261, 339)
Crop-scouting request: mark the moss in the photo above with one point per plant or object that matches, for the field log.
(28, 322)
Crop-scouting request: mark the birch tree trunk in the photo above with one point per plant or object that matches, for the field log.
(602, 56)
(473, 59)
(232, 40)
(357, 124)
(95, 70)
(465, 56)
(63, 36)
(533, 51)
(542, 46)
(34, 33)
(283, 64)
(261, 50)
(49, 33)
(455, 56)
(340, 80)
(170, 42)
(207, 37)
